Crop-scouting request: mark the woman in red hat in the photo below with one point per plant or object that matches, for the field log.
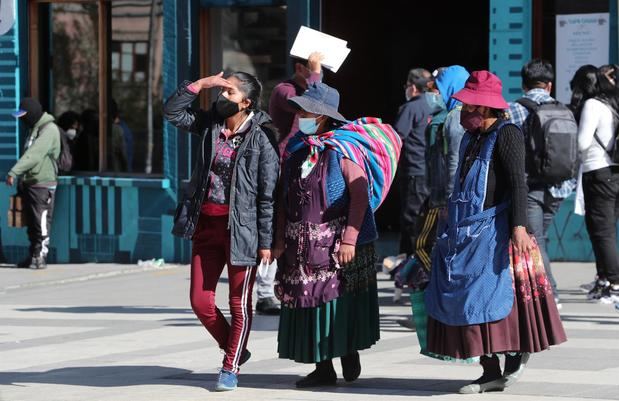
(489, 294)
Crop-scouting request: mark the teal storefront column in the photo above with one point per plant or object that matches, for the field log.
(12, 240)
(510, 42)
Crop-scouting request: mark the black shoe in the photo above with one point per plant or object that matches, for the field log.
(324, 375)
(244, 357)
(267, 306)
(351, 367)
(408, 323)
(598, 289)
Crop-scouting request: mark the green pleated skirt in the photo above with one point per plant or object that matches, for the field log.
(340, 327)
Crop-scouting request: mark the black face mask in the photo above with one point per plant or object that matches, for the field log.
(33, 111)
(31, 119)
(226, 107)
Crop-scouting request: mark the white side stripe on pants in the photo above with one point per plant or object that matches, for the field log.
(44, 223)
(245, 328)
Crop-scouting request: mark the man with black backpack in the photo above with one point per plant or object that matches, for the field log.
(551, 140)
(37, 171)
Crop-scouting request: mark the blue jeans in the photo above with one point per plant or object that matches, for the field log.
(541, 209)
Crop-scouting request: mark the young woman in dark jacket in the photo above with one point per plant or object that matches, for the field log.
(227, 208)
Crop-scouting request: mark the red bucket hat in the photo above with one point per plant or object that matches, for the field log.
(483, 88)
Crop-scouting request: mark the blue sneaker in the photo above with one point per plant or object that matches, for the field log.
(227, 381)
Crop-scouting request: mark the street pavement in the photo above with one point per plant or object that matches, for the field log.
(120, 332)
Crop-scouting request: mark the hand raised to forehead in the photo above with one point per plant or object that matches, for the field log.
(214, 81)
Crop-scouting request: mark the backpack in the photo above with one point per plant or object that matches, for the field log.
(437, 171)
(551, 141)
(64, 163)
(65, 160)
(613, 153)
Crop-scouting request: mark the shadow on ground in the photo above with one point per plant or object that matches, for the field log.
(122, 376)
(106, 309)
(603, 320)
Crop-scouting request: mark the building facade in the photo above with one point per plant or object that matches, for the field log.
(98, 57)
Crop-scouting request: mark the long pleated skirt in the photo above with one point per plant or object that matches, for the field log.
(340, 327)
(533, 325)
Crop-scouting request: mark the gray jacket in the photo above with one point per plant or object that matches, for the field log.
(254, 178)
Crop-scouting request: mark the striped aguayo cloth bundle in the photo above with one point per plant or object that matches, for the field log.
(368, 142)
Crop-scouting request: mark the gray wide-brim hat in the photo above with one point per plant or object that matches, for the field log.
(320, 99)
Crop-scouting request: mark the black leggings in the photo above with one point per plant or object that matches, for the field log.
(601, 192)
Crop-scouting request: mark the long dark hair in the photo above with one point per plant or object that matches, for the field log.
(250, 86)
(584, 86)
(608, 91)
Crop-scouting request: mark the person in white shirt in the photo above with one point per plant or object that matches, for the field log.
(596, 138)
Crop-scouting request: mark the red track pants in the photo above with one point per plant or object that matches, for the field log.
(210, 253)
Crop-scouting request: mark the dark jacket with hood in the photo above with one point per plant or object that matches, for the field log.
(254, 178)
(411, 122)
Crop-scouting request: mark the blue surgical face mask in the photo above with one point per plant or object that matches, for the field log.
(308, 126)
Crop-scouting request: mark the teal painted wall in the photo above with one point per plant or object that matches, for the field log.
(510, 42)
(104, 220)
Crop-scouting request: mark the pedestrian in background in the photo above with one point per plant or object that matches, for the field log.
(228, 207)
(37, 171)
(69, 122)
(334, 177)
(117, 152)
(543, 199)
(600, 180)
(306, 72)
(284, 118)
(443, 136)
(488, 294)
(86, 143)
(583, 86)
(411, 122)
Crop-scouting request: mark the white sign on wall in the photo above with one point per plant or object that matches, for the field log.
(7, 15)
(581, 39)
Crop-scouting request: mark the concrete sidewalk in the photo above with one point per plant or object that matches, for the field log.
(13, 278)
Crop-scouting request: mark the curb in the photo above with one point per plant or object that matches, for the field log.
(89, 277)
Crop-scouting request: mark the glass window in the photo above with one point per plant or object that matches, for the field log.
(127, 48)
(140, 48)
(74, 74)
(253, 39)
(68, 78)
(127, 62)
(131, 34)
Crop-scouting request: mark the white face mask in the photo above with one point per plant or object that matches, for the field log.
(308, 126)
(71, 133)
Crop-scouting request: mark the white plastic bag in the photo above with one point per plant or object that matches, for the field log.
(579, 201)
(267, 271)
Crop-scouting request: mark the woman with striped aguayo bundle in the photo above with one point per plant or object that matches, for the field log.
(335, 175)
